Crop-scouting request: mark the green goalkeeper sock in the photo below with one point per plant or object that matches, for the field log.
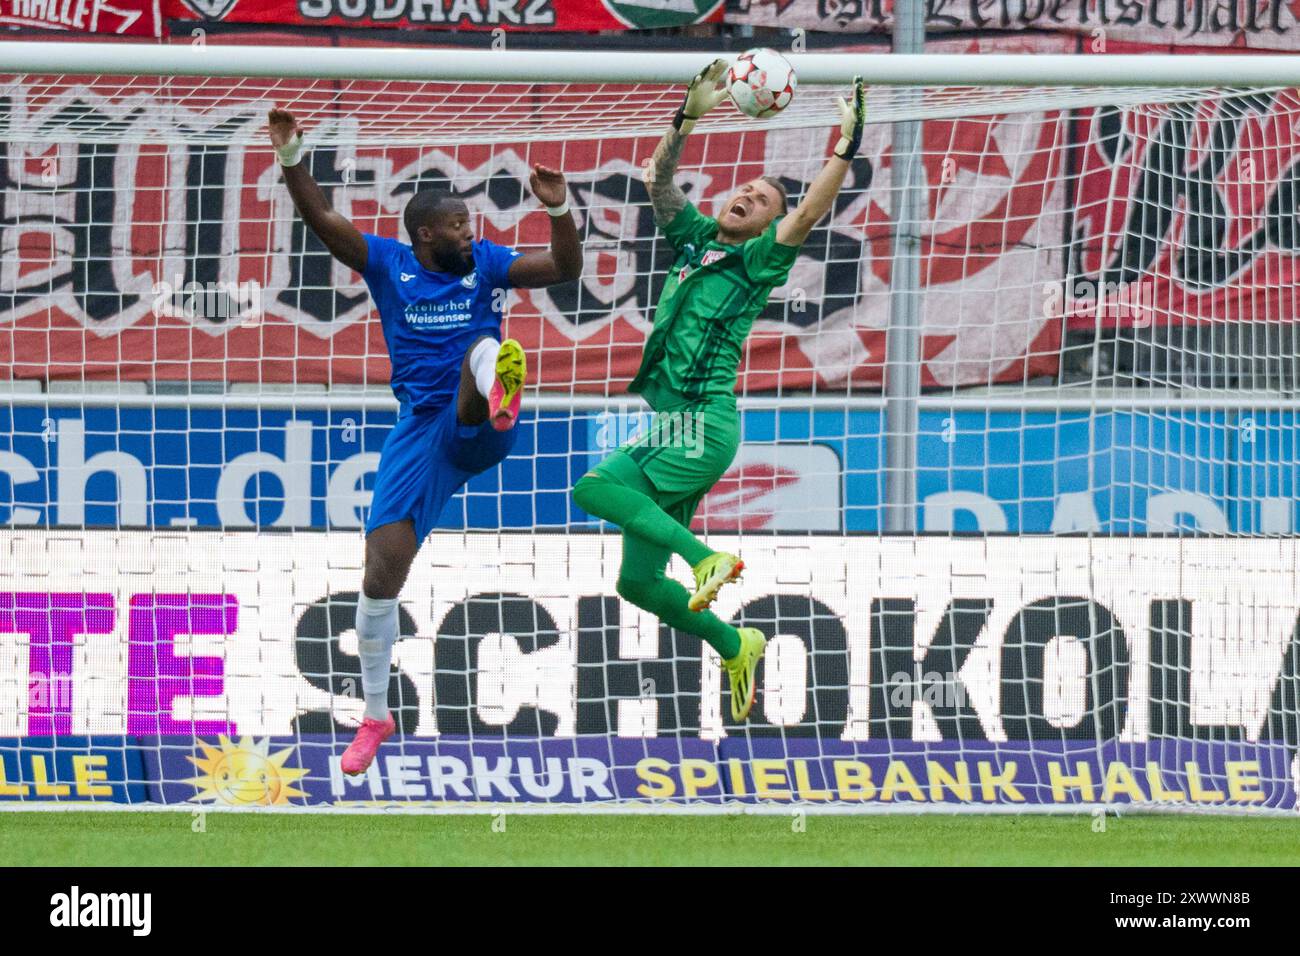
(641, 581)
(625, 500)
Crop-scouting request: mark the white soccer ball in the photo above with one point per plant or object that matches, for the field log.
(761, 82)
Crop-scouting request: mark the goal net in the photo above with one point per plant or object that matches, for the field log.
(1088, 594)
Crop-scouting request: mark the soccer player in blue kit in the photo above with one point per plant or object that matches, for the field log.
(440, 301)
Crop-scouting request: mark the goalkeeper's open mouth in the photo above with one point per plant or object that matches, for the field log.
(736, 216)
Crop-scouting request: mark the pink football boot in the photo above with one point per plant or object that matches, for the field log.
(366, 743)
(508, 389)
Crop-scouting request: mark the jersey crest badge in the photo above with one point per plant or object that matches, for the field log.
(470, 280)
(713, 255)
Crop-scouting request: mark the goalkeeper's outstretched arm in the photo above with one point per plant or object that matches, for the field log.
(794, 228)
(341, 238)
(666, 197)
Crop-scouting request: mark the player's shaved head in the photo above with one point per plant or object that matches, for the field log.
(440, 230)
(427, 204)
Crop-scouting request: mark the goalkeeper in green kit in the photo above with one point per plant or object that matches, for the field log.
(724, 271)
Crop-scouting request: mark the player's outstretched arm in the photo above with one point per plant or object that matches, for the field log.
(563, 261)
(341, 238)
(666, 197)
(794, 228)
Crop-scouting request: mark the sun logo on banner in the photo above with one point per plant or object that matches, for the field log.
(245, 774)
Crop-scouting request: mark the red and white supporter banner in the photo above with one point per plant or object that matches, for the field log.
(91, 233)
(1186, 213)
(1168, 214)
(138, 18)
(532, 15)
(1258, 24)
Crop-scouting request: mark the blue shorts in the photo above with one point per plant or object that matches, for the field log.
(427, 458)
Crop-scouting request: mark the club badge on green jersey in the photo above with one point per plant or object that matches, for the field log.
(688, 254)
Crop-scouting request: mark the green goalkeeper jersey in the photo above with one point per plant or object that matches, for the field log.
(707, 307)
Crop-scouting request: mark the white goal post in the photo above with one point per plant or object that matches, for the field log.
(1099, 607)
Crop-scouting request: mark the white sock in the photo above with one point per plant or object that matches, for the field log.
(483, 363)
(376, 635)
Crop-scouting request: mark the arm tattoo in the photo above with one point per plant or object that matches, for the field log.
(666, 197)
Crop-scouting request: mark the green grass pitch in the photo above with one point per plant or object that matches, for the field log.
(135, 839)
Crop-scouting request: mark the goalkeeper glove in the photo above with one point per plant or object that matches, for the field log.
(852, 119)
(702, 94)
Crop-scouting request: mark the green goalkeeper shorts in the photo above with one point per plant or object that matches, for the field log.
(682, 454)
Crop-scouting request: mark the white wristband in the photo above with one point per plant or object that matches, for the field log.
(557, 211)
(290, 154)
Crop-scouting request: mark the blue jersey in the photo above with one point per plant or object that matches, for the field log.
(430, 319)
